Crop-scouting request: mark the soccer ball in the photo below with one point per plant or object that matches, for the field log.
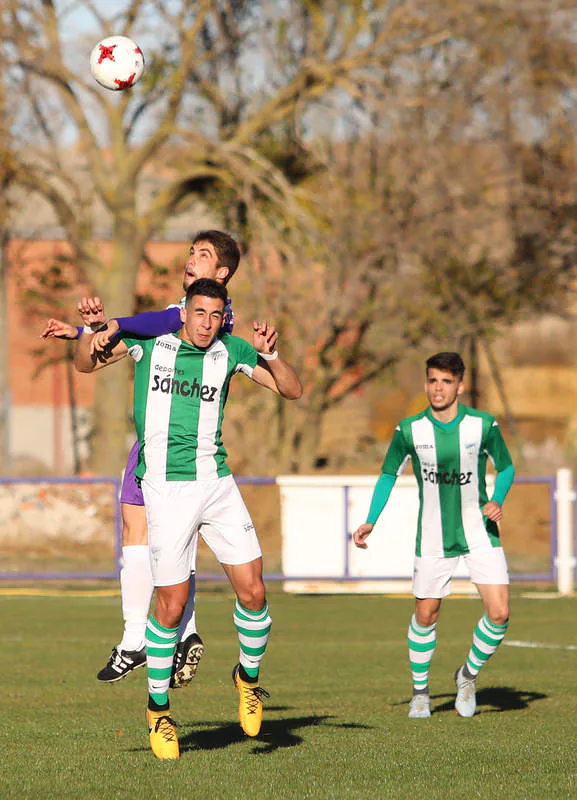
(116, 62)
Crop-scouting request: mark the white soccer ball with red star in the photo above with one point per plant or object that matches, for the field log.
(116, 62)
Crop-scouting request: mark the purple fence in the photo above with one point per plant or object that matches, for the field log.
(114, 483)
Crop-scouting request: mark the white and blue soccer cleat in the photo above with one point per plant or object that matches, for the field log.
(466, 701)
(420, 707)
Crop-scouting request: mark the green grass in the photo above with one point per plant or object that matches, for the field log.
(336, 725)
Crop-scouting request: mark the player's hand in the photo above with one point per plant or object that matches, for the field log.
(361, 534)
(101, 339)
(91, 310)
(264, 337)
(493, 511)
(57, 329)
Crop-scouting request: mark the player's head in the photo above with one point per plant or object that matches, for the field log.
(444, 380)
(203, 312)
(213, 254)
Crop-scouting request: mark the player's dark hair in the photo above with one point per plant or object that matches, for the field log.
(206, 287)
(225, 247)
(447, 362)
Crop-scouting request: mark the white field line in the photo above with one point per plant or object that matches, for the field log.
(539, 645)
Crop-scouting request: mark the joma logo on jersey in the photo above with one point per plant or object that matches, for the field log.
(424, 447)
(447, 478)
(166, 345)
(184, 388)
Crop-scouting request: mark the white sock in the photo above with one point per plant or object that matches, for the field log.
(188, 621)
(136, 593)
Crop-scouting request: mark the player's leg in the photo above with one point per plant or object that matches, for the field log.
(172, 514)
(161, 640)
(431, 582)
(190, 646)
(135, 579)
(253, 624)
(490, 575)
(229, 532)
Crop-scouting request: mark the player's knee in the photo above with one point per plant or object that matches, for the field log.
(427, 618)
(252, 597)
(169, 610)
(499, 616)
(427, 613)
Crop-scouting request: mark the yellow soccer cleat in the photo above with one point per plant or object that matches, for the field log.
(250, 703)
(162, 731)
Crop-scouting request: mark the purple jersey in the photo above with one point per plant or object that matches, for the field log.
(131, 492)
(157, 323)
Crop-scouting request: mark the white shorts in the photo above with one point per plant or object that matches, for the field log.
(432, 574)
(175, 513)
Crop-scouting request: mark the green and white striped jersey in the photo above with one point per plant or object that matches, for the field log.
(179, 395)
(449, 462)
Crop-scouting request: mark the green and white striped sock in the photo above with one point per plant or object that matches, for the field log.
(160, 648)
(422, 642)
(253, 631)
(486, 639)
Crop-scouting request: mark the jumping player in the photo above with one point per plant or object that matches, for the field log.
(213, 254)
(180, 389)
(448, 445)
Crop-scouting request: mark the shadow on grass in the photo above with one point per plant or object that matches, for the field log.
(275, 734)
(492, 700)
(495, 699)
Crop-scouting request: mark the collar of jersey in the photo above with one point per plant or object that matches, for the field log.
(447, 426)
(193, 347)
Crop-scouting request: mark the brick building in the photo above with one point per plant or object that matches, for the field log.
(45, 399)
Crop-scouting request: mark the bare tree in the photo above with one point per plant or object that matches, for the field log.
(221, 76)
(7, 177)
(326, 133)
(443, 220)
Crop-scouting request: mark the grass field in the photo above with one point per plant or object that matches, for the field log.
(336, 725)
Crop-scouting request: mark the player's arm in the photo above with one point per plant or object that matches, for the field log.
(395, 460)
(279, 377)
(58, 329)
(88, 360)
(146, 325)
(272, 371)
(499, 453)
(91, 311)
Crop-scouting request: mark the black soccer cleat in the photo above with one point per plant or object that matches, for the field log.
(188, 654)
(120, 663)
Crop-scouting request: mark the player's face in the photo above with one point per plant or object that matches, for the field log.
(202, 319)
(203, 263)
(442, 389)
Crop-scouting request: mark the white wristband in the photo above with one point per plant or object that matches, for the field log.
(269, 356)
(98, 326)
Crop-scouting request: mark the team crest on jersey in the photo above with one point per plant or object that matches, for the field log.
(471, 449)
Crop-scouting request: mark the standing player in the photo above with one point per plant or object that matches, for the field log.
(181, 385)
(213, 254)
(448, 445)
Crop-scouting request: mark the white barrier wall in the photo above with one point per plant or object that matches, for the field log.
(319, 515)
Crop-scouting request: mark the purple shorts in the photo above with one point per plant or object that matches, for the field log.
(131, 492)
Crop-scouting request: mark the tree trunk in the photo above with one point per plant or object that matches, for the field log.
(299, 449)
(4, 361)
(112, 427)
